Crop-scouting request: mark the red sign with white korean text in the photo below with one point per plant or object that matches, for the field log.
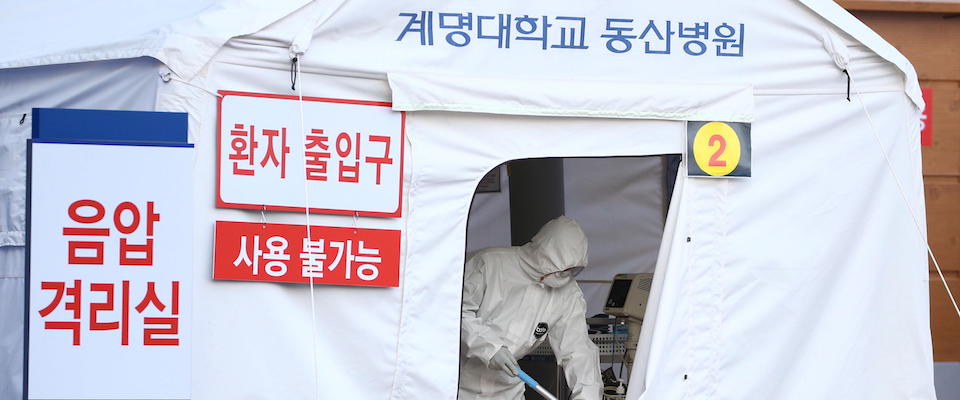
(926, 119)
(253, 251)
(345, 157)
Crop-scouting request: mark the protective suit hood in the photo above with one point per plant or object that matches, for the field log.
(560, 244)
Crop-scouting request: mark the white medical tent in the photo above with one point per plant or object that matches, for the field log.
(807, 280)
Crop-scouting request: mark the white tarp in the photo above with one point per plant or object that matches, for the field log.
(11, 321)
(618, 202)
(806, 281)
(184, 34)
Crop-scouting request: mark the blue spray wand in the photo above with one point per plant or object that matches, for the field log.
(534, 385)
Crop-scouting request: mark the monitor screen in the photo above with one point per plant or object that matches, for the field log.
(618, 293)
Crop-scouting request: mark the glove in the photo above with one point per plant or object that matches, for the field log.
(504, 361)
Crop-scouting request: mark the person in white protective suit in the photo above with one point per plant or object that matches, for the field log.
(514, 298)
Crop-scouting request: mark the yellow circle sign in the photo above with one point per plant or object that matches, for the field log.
(716, 148)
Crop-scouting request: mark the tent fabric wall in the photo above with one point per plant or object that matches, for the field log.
(436, 182)
(608, 99)
(11, 321)
(489, 222)
(618, 202)
(129, 84)
(13, 137)
(253, 339)
(14, 131)
(115, 84)
(775, 250)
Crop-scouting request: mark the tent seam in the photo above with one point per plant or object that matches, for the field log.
(820, 91)
(567, 112)
(406, 259)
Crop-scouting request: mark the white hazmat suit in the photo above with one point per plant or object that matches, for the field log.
(505, 302)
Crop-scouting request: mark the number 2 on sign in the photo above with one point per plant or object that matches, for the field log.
(715, 160)
(716, 149)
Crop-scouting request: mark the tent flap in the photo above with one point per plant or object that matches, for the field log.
(516, 96)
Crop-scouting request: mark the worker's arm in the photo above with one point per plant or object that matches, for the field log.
(576, 352)
(477, 339)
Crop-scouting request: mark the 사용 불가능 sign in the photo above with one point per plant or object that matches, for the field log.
(347, 159)
(255, 251)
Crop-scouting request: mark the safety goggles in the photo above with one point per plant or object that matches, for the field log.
(567, 273)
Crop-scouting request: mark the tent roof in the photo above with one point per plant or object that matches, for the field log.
(185, 35)
(843, 20)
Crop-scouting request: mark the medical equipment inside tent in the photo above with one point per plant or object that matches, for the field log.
(628, 295)
(798, 273)
(628, 300)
